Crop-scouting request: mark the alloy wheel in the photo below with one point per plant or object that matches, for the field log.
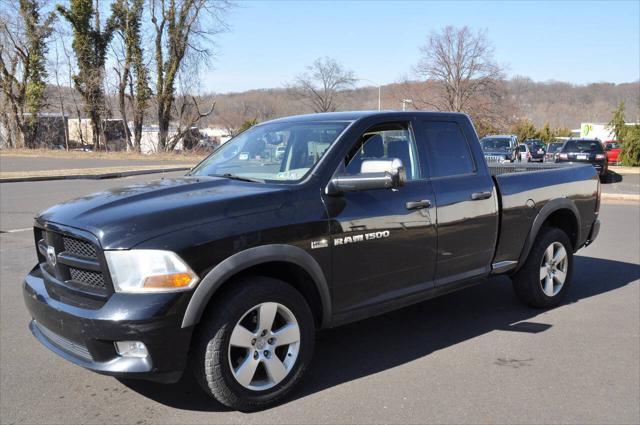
(553, 269)
(264, 346)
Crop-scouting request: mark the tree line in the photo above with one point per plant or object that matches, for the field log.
(140, 61)
(157, 77)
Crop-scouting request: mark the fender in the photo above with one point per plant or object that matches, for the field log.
(549, 208)
(252, 257)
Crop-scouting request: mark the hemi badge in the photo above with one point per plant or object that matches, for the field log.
(319, 244)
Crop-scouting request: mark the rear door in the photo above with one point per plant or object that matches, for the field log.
(467, 206)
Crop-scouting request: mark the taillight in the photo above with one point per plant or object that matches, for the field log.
(563, 156)
(600, 156)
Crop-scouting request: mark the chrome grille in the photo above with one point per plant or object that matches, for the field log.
(495, 158)
(63, 343)
(78, 247)
(72, 263)
(86, 277)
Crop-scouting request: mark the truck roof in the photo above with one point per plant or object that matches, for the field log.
(356, 115)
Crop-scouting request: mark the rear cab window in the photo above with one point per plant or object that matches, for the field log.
(582, 146)
(448, 151)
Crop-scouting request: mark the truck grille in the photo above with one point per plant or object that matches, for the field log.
(78, 247)
(78, 264)
(92, 279)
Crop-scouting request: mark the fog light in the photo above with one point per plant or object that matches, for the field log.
(131, 349)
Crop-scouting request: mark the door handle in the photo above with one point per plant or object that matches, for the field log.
(480, 195)
(418, 205)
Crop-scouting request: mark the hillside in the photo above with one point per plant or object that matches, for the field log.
(560, 104)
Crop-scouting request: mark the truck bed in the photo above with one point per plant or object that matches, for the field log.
(525, 189)
(496, 168)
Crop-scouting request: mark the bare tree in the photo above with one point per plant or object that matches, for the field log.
(23, 49)
(461, 61)
(90, 44)
(56, 66)
(322, 83)
(131, 70)
(186, 111)
(182, 28)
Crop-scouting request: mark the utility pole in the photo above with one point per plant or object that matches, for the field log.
(404, 103)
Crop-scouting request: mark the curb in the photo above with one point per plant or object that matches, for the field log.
(624, 170)
(112, 175)
(619, 197)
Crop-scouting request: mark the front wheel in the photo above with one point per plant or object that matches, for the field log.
(544, 279)
(254, 344)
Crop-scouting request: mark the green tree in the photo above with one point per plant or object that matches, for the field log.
(247, 125)
(561, 132)
(617, 124)
(26, 52)
(525, 129)
(134, 73)
(630, 154)
(90, 44)
(546, 134)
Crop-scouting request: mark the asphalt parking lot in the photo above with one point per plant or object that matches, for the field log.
(26, 163)
(476, 356)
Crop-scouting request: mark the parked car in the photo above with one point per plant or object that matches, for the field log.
(537, 149)
(613, 149)
(499, 148)
(280, 150)
(587, 151)
(552, 150)
(522, 153)
(230, 270)
(243, 156)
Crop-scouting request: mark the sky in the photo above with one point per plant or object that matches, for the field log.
(270, 42)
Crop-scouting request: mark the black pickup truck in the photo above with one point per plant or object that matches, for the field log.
(295, 225)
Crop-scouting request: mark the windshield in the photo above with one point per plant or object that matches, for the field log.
(494, 144)
(278, 152)
(582, 146)
(554, 147)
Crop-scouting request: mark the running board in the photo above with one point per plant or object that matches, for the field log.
(503, 266)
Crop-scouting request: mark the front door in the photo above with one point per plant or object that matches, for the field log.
(383, 241)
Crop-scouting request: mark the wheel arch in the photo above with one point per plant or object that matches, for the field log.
(285, 262)
(561, 213)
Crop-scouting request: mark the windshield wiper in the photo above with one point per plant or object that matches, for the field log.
(239, 178)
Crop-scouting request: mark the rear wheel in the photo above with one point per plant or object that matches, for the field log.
(254, 345)
(544, 279)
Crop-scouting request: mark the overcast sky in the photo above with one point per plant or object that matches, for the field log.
(271, 41)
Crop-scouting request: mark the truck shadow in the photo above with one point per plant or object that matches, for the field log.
(611, 177)
(384, 342)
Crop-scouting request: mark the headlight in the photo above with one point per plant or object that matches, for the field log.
(149, 270)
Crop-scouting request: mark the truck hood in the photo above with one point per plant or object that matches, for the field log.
(123, 217)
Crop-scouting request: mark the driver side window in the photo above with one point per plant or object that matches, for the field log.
(384, 142)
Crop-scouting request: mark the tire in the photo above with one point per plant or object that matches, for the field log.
(216, 362)
(529, 284)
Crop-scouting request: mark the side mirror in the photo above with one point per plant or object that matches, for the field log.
(374, 174)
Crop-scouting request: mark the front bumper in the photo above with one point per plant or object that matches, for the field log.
(86, 336)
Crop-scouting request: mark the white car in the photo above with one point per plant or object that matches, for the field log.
(522, 153)
(244, 156)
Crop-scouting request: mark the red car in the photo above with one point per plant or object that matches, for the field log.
(613, 149)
